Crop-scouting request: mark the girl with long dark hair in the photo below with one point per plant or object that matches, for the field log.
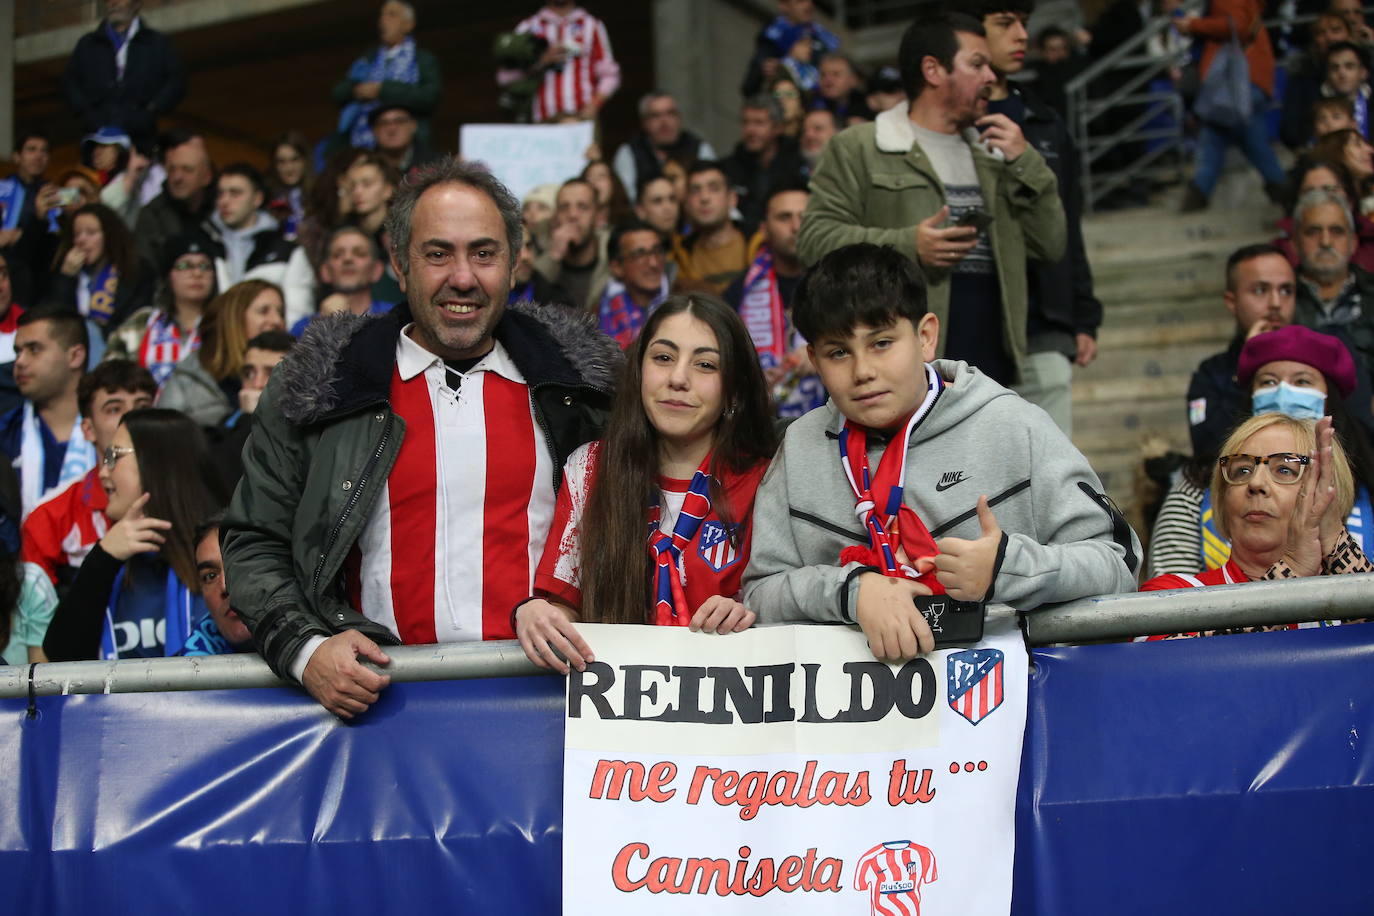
(137, 593)
(652, 523)
(97, 270)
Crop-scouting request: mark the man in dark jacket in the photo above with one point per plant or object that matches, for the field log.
(401, 475)
(395, 72)
(123, 73)
(186, 202)
(763, 159)
(1063, 317)
(661, 137)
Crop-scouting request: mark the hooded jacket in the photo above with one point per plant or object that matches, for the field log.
(874, 184)
(192, 390)
(1062, 538)
(325, 436)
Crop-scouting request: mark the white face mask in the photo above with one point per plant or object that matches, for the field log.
(1298, 403)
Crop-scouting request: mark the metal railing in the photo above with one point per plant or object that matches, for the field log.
(1157, 106)
(1084, 112)
(1089, 620)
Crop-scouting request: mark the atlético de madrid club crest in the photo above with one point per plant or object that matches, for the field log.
(975, 683)
(715, 546)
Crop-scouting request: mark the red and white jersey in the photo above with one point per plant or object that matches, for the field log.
(62, 529)
(9, 324)
(893, 874)
(713, 562)
(588, 70)
(456, 534)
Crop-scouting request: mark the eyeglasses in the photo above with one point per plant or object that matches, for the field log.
(113, 453)
(1284, 467)
(640, 254)
(394, 121)
(199, 266)
(786, 94)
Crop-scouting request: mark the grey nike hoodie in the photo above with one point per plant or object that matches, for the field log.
(1063, 538)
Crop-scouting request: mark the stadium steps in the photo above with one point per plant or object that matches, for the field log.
(1160, 276)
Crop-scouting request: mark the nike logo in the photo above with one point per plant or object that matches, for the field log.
(950, 479)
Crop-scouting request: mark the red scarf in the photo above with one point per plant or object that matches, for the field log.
(890, 523)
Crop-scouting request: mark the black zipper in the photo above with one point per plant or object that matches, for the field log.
(353, 500)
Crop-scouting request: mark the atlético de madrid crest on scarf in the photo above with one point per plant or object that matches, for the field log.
(716, 547)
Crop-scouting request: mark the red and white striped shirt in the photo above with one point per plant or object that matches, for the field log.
(456, 534)
(62, 529)
(893, 873)
(587, 71)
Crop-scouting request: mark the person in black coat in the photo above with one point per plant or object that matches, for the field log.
(123, 74)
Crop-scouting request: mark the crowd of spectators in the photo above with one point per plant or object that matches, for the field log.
(424, 395)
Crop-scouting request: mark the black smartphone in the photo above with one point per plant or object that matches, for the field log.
(978, 219)
(952, 623)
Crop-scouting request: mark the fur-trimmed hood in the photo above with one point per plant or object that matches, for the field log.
(344, 363)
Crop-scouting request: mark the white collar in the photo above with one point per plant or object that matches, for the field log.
(894, 134)
(413, 359)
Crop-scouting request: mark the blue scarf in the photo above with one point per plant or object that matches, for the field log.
(176, 600)
(1216, 550)
(400, 66)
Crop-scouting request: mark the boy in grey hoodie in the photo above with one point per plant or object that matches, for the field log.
(992, 502)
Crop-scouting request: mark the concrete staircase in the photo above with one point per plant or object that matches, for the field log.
(1160, 276)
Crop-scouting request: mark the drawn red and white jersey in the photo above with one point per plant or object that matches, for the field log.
(62, 529)
(587, 69)
(893, 874)
(713, 563)
(453, 541)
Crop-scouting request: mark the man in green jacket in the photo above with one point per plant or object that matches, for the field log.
(968, 209)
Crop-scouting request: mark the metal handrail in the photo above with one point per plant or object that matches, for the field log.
(1089, 620)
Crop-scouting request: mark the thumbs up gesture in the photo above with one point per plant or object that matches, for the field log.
(135, 533)
(965, 567)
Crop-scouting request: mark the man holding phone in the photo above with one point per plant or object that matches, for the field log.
(1064, 315)
(955, 188)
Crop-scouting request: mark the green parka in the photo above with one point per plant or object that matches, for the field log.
(325, 438)
(874, 184)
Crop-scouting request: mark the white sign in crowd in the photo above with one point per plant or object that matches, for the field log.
(784, 770)
(525, 156)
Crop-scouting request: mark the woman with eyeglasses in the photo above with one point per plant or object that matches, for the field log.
(1294, 371)
(161, 335)
(1282, 489)
(137, 594)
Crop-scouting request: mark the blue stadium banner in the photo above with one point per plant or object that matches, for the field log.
(1223, 775)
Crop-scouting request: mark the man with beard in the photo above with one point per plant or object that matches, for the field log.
(716, 252)
(763, 159)
(660, 138)
(818, 127)
(763, 298)
(968, 209)
(1334, 296)
(221, 631)
(186, 200)
(402, 471)
(352, 264)
(573, 255)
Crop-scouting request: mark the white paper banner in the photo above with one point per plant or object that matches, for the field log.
(525, 156)
(783, 770)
